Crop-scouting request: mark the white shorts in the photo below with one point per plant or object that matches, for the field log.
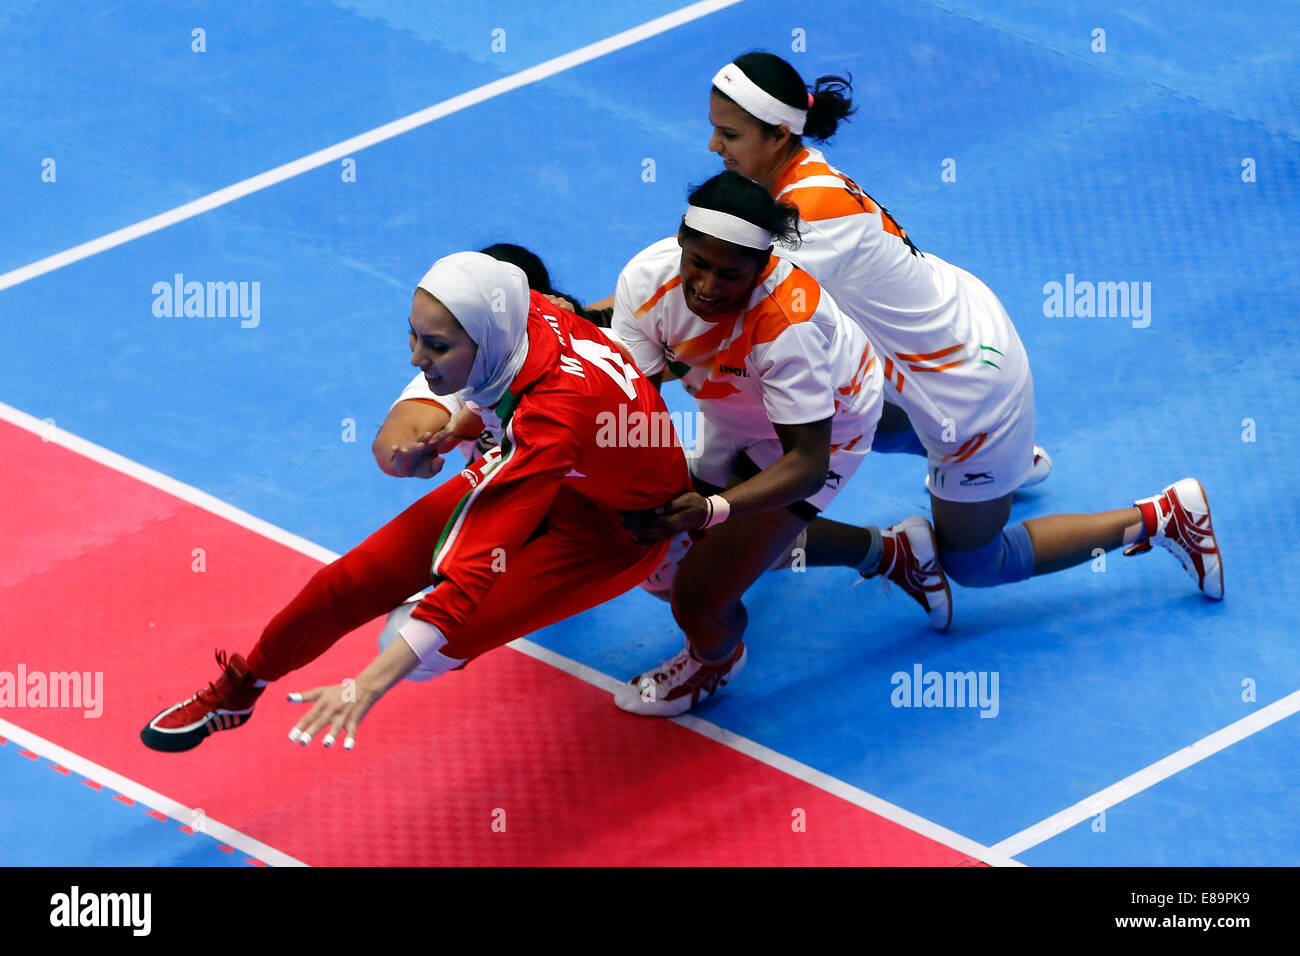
(987, 464)
(719, 455)
(715, 461)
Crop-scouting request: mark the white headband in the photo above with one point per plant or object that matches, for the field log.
(726, 226)
(755, 100)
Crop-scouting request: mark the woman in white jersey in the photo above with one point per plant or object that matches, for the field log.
(952, 358)
(421, 426)
(789, 393)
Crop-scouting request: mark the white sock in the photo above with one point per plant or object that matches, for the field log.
(870, 565)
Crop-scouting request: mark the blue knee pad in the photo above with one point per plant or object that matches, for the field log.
(898, 443)
(1007, 558)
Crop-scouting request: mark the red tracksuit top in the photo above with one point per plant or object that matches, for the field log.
(569, 418)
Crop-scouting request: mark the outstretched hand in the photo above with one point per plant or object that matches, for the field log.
(341, 708)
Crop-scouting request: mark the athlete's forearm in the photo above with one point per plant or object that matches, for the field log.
(796, 476)
(393, 663)
(406, 422)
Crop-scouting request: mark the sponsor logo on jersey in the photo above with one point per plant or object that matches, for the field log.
(733, 370)
(979, 478)
(833, 479)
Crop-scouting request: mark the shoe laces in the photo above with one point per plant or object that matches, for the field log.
(668, 669)
(211, 694)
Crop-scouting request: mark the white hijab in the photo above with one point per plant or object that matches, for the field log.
(490, 300)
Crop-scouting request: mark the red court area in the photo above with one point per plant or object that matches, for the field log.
(509, 762)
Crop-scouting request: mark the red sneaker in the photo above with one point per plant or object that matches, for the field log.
(1178, 519)
(911, 560)
(223, 705)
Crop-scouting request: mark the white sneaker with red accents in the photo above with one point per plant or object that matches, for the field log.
(1178, 519)
(1042, 467)
(911, 560)
(677, 685)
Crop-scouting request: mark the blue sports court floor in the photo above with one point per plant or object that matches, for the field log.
(1169, 157)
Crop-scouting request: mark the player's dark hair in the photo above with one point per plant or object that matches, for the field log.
(538, 277)
(831, 103)
(745, 199)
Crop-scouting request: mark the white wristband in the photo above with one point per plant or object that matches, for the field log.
(719, 510)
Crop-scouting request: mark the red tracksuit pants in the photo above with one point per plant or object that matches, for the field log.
(583, 558)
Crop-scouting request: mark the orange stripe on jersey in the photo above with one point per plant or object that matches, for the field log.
(827, 202)
(936, 368)
(887, 221)
(860, 376)
(968, 448)
(889, 373)
(715, 389)
(797, 169)
(663, 290)
(907, 357)
(698, 350)
(794, 300)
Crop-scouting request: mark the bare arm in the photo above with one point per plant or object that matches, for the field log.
(795, 476)
(402, 447)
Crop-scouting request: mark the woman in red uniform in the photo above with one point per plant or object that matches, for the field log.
(523, 537)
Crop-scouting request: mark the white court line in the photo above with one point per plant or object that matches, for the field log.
(142, 794)
(1149, 776)
(377, 135)
(750, 748)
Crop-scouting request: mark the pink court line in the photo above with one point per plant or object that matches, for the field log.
(364, 140)
(752, 749)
